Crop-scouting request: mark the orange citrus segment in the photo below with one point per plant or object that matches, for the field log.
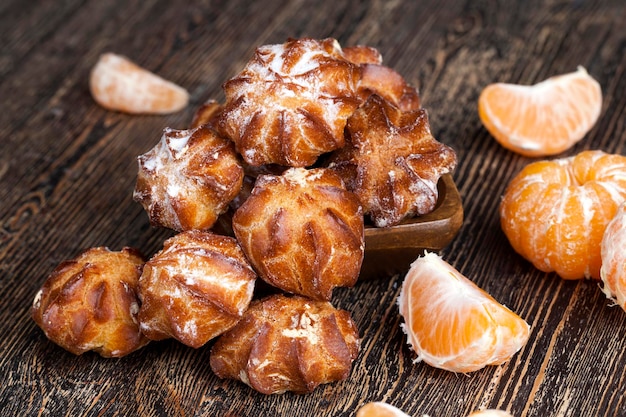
(451, 323)
(118, 84)
(613, 271)
(380, 409)
(543, 119)
(554, 213)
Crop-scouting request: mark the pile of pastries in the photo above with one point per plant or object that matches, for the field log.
(277, 183)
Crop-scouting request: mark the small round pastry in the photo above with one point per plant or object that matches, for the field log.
(389, 84)
(187, 180)
(302, 231)
(362, 54)
(90, 303)
(392, 162)
(287, 344)
(197, 287)
(206, 114)
(291, 102)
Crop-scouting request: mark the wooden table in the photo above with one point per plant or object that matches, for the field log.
(67, 172)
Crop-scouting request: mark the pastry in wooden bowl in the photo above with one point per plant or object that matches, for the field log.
(302, 231)
(197, 287)
(90, 303)
(187, 180)
(291, 102)
(391, 250)
(287, 343)
(392, 162)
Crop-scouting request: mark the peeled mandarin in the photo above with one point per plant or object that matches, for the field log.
(118, 84)
(380, 409)
(542, 119)
(453, 324)
(554, 212)
(613, 251)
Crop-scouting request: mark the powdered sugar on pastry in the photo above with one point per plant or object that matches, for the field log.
(187, 180)
(195, 288)
(291, 102)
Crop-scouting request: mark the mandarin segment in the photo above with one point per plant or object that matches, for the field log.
(554, 213)
(613, 271)
(380, 409)
(453, 324)
(116, 83)
(543, 119)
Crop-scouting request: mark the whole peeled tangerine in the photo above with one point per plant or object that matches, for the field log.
(555, 212)
(302, 231)
(197, 287)
(90, 303)
(287, 343)
(187, 180)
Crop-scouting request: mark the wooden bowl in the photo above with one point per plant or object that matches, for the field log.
(391, 250)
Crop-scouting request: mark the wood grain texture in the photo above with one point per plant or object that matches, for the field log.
(68, 168)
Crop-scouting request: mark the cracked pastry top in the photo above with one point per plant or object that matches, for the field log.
(187, 180)
(302, 231)
(291, 102)
(90, 303)
(195, 288)
(392, 162)
(287, 343)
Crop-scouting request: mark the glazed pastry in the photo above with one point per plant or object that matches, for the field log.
(387, 83)
(291, 102)
(206, 114)
(362, 54)
(187, 180)
(392, 162)
(382, 80)
(302, 231)
(287, 344)
(90, 303)
(195, 288)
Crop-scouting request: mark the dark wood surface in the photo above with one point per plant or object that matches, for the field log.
(67, 171)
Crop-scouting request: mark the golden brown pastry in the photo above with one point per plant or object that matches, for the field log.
(90, 303)
(382, 80)
(392, 162)
(195, 288)
(187, 180)
(387, 83)
(291, 102)
(206, 114)
(302, 231)
(362, 54)
(287, 344)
